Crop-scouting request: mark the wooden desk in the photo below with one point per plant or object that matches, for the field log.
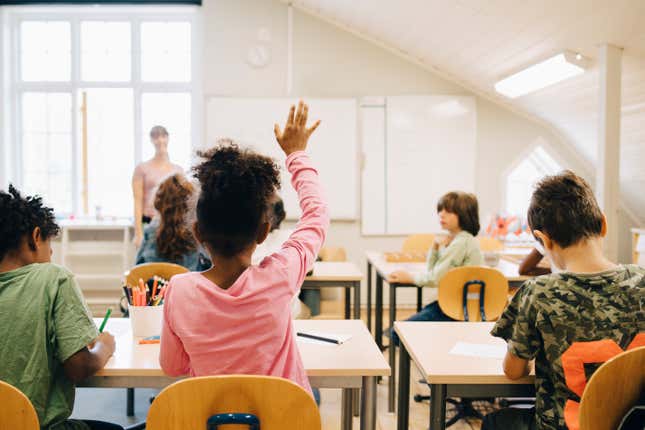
(345, 275)
(449, 375)
(355, 364)
(382, 268)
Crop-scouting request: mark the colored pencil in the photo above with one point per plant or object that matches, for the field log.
(107, 315)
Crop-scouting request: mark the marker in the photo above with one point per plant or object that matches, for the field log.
(107, 315)
(320, 338)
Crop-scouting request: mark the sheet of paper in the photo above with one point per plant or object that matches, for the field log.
(341, 338)
(479, 350)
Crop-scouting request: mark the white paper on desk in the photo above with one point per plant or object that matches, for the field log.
(341, 338)
(478, 350)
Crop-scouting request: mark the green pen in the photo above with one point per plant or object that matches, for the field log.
(107, 315)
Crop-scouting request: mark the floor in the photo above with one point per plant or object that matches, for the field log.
(109, 404)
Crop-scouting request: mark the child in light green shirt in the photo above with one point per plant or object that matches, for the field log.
(459, 216)
(49, 340)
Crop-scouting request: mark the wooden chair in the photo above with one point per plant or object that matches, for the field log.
(418, 243)
(473, 293)
(333, 254)
(278, 404)
(16, 411)
(146, 271)
(612, 390)
(488, 244)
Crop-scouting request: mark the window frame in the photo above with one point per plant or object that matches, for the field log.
(135, 15)
(534, 145)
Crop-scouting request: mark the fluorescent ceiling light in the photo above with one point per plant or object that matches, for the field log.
(548, 72)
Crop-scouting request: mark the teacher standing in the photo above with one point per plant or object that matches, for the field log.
(147, 177)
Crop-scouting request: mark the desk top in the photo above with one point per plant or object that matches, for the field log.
(509, 268)
(335, 271)
(430, 343)
(359, 356)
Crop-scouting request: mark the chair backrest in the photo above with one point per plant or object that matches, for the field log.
(278, 403)
(418, 243)
(466, 283)
(488, 244)
(16, 411)
(333, 254)
(613, 390)
(146, 271)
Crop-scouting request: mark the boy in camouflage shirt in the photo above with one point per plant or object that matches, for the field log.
(572, 321)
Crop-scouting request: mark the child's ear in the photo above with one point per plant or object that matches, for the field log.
(603, 228)
(33, 241)
(263, 232)
(546, 240)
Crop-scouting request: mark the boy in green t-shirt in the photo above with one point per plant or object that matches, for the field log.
(49, 341)
(570, 321)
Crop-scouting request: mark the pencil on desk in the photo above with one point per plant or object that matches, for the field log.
(320, 338)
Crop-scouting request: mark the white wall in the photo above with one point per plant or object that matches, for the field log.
(329, 62)
(4, 153)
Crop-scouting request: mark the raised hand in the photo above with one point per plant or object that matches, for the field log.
(295, 135)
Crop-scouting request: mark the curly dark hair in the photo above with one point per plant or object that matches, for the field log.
(236, 188)
(174, 238)
(19, 216)
(564, 208)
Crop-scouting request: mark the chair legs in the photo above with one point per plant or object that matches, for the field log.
(464, 408)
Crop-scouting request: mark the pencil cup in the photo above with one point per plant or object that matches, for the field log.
(492, 258)
(146, 320)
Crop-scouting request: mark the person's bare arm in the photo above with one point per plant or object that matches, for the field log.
(529, 266)
(137, 191)
(514, 366)
(90, 359)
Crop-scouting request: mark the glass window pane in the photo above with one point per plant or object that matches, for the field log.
(45, 51)
(110, 150)
(166, 51)
(173, 111)
(105, 51)
(47, 148)
(521, 181)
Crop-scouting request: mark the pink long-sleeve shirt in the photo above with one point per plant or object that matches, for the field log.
(247, 328)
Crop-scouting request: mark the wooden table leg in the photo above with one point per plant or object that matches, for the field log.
(378, 309)
(369, 296)
(348, 302)
(438, 406)
(368, 403)
(357, 300)
(403, 416)
(129, 402)
(391, 392)
(346, 409)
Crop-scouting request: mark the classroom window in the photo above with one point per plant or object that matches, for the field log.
(93, 82)
(521, 181)
(46, 145)
(105, 51)
(45, 51)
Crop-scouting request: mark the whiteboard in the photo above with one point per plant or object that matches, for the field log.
(332, 147)
(429, 149)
